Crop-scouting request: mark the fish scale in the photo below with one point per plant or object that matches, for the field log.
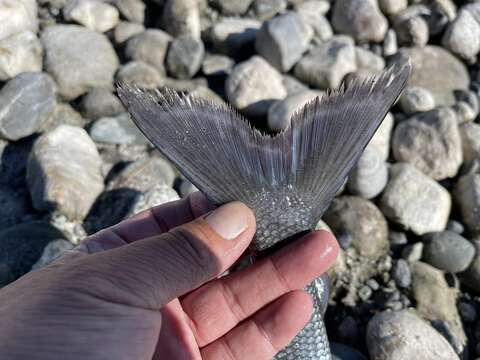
(280, 218)
(287, 179)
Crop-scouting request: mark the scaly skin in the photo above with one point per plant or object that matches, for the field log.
(280, 216)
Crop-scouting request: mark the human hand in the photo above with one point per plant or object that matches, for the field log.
(143, 289)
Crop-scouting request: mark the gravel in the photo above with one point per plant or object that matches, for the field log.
(72, 160)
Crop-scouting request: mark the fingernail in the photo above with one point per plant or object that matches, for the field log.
(228, 220)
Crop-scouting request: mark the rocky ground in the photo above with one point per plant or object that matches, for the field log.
(407, 283)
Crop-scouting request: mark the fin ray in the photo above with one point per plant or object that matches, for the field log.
(218, 150)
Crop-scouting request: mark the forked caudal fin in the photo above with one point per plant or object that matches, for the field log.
(219, 152)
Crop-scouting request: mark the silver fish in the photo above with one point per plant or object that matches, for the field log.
(288, 179)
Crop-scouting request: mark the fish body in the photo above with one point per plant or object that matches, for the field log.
(288, 179)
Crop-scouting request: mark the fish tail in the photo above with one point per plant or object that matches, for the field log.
(227, 159)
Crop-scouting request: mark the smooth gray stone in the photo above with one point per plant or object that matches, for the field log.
(467, 196)
(431, 142)
(363, 221)
(401, 273)
(184, 57)
(462, 36)
(26, 103)
(369, 176)
(253, 85)
(140, 74)
(436, 70)
(117, 130)
(283, 39)
(416, 99)
(400, 335)
(267, 9)
(126, 30)
(217, 65)
(448, 251)
(132, 10)
(182, 17)
(326, 64)
(100, 103)
(149, 47)
(94, 15)
(78, 59)
(361, 19)
(231, 36)
(232, 7)
(400, 201)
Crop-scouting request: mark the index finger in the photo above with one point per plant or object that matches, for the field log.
(151, 222)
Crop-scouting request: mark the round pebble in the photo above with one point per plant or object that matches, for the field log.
(448, 251)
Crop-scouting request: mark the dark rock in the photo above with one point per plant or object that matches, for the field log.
(21, 246)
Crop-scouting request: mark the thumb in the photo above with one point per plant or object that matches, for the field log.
(151, 272)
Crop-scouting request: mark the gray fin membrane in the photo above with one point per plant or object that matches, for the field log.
(227, 159)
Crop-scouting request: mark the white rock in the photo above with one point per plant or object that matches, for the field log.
(381, 139)
(325, 65)
(20, 52)
(68, 180)
(415, 201)
(253, 85)
(230, 35)
(125, 30)
(182, 17)
(312, 13)
(93, 14)
(78, 59)
(462, 36)
(470, 133)
(361, 19)
(283, 39)
(416, 99)
(157, 195)
(369, 176)
(400, 335)
(390, 7)
(17, 16)
(431, 142)
(467, 197)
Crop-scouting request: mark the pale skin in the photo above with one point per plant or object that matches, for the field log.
(149, 288)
